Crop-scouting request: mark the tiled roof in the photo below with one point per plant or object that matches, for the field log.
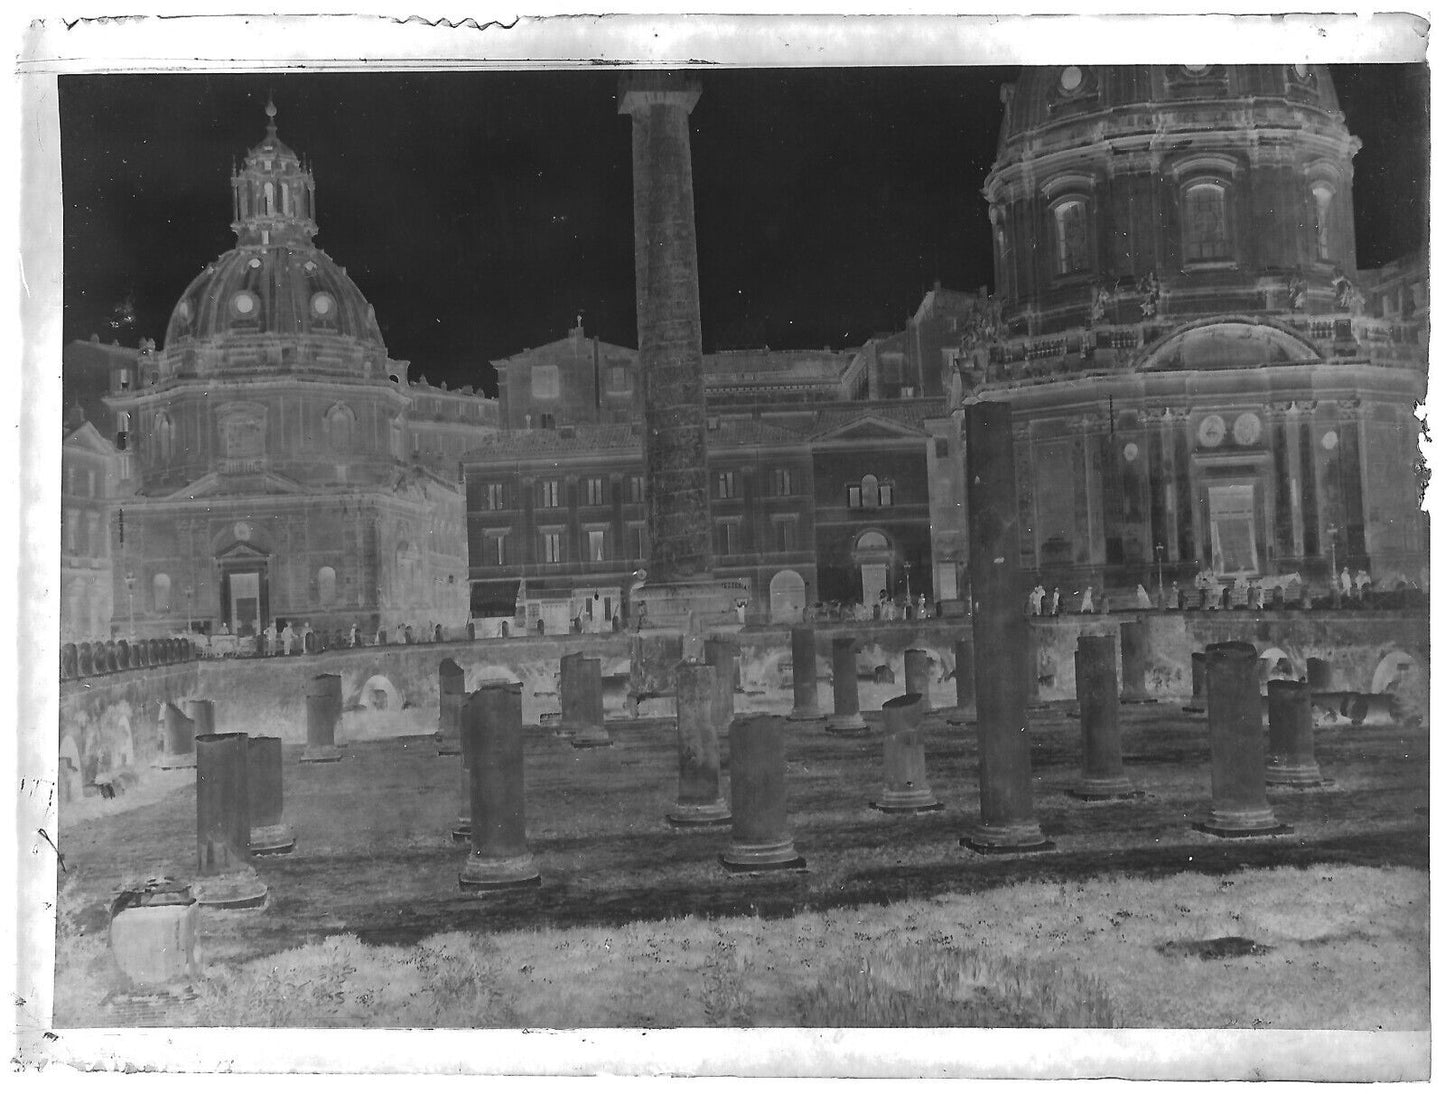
(576, 439)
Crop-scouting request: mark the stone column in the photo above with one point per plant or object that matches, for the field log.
(916, 677)
(203, 714)
(1000, 637)
(1097, 689)
(966, 712)
(1196, 683)
(462, 831)
(590, 729)
(723, 657)
(905, 777)
(699, 797)
(451, 694)
(270, 834)
(1291, 736)
(223, 824)
(1320, 675)
(1236, 745)
(499, 859)
(1134, 651)
(805, 677)
(669, 324)
(847, 720)
(760, 836)
(179, 749)
(323, 706)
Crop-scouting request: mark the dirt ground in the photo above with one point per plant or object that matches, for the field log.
(375, 859)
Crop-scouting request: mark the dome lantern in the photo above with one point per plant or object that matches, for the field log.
(273, 194)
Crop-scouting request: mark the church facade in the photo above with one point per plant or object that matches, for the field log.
(1201, 377)
(284, 469)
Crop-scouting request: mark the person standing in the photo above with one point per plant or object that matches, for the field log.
(1087, 604)
(1054, 602)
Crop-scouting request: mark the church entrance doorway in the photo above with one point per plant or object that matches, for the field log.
(245, 607)
(873, 555)
(787, 595)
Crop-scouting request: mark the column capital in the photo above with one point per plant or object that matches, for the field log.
(640, 90)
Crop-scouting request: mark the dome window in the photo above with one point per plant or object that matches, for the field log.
(323, 305)
(244, 304)
(183, 310)
(1206, 228)
(1071, 79)
(254, 264)
(1302, 72)
(1323, 194)
(1196, 70)
(1071, 237)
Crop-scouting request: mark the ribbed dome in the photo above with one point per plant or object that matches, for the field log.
(272, 290)
(1113, 95)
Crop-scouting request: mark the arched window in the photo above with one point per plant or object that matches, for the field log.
(326, 586)
(161, 593)
(1323, 193)
(1071, 237)
(1206, 233)
(285, 199)
(870, 491)
(339, 421)
(872, 541)
(270, 199)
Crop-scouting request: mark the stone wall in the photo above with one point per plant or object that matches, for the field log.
(109, 723)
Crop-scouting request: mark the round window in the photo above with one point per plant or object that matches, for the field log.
(1302, 71)
(1131, 451)
(1071, 78)
(244, 303)
(1196, 70)
(255, 264)
(1330, 440)
(183, 309)
(322, 304)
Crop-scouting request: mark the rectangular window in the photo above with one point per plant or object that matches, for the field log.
(638, 541)
(93, 544)
(636, 490)
(1205, 237)
(497, 550)
(546, 384)
(596, 492)
(597, 545)
(885, 494)
(496, 496)
(726, 538)
(855, 496)
(782, 481)
(71, 520)
(618, 378)
(784, 535)
(549, 494)
(552, 546)
(726, 486)
(940, 448)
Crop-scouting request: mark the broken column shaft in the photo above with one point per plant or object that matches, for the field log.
(223, 824)
(270, 834)
(1134, 654)
(760, 836)
(846, 719)
(323, 709)
(905, 775)
(1196, 683)
(1291, 736)
(805, 677)
(499, 858)
(965, 712)
(1002, 649)
(179, 744)
(699, 768)
(451, 694)
(582, 712)
(916, 677)
(1097, 689)
(1236, 744)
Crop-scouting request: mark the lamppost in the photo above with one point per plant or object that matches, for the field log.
(130, 592)
(189, 591)
(908, 583)
(1159, 558)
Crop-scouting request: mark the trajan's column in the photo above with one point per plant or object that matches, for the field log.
(680, 589)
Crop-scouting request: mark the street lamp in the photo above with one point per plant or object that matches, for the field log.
(908, 582)
(130, 591)
(1333, 532)
(1159, 558)
(189, 591)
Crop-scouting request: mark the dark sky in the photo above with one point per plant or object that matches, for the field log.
(480, 212)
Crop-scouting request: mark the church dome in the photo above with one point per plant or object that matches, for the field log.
(276, 300)
(1117, 100)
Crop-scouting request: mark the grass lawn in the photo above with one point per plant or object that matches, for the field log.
(892, 924)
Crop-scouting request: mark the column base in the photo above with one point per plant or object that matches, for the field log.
(992, 839)
(847, 725)
(176, 763)
(486, 875)
(236, 891)
(462, 833)
(1193, 708)
(902, 803)
(1233, 823)
(321, 754)
(961, 716)
(747, 858)
(1098, 790)
(595, 737)
(273, 839)
(1134, 700)
(805, 714)
(710, 815)
(449, 746)
(1293, 775)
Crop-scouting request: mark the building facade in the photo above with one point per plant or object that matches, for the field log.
(285, 470)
